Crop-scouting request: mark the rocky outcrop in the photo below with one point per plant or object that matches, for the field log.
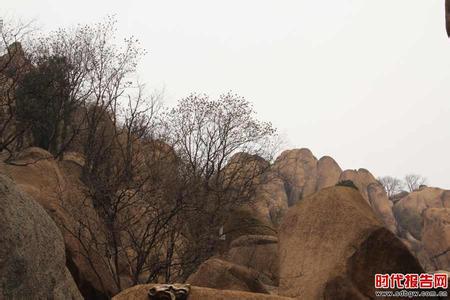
(219, 274)
(436, 237)
(32, 254)
(409, 210)
(257, 252)
(362, 178)
(140, 292)
(298, 169)
(332, 242)
(271, 201)
(56, 186)
(245, 221)
(381, 205)
(328, 172)
(297, 174)
(303, 174)
(423, 218)
(374, 193)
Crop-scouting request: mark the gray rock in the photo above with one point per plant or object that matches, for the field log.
(32, 254)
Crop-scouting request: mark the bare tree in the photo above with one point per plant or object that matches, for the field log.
(414, 181)
(225, 150)
(392, 185)
(134, 189)
(13, 66)
(157, 186)
(69, 90)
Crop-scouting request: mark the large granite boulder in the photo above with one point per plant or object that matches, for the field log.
(303, 175)
(409, 210)
(32, 254)
(381, 205)
(270, 201)
(219, 274)
(298, 169)
(423, 219)
(436, 237)
(57, 187)
(332, 242)
(374, 193)
(257, 252)
(328, 172)
(245, 221)
(140, 292)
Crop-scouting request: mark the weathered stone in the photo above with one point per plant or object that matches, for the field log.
(256, 252)
(223, 275)
(374, 193)
(409, 210)
(328, 172)
(436, 236)
(333, 237)
(32, 255)
(56, 186)
(298, 169)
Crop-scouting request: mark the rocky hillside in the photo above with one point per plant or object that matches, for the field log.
(301, 236)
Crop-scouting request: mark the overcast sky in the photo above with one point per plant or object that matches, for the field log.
(364, 81)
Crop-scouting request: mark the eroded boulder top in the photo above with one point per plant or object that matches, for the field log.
(333, 239)
(220, 274)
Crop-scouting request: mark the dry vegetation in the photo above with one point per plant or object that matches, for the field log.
(157, 184)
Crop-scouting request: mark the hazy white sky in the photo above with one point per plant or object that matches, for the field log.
(366, 82)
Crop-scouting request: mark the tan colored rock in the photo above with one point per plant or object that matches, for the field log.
(436, 236)
(32, 253)
(57, 187)
(140, 292)
(271, 201)
(298, 169)
(362, 178)
(303, 175)
(223, 275)
(381, 205)
(245, 221)
(328, 172)
(374, 193)
(409, 210)
(423, 214)
(257, 252)
(332, 241)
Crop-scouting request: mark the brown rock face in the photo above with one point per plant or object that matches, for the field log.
(257, 252)
(298, 169)
(140, 292)
(382, 206)
(332, 242)
(328, 172)
(56, 187)
(303, 174)
(245, 221)
(436, 236)
(374, 193)
(408, 211)
(271, 201)
(361, 178)
(31, 250)
(223, 275)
